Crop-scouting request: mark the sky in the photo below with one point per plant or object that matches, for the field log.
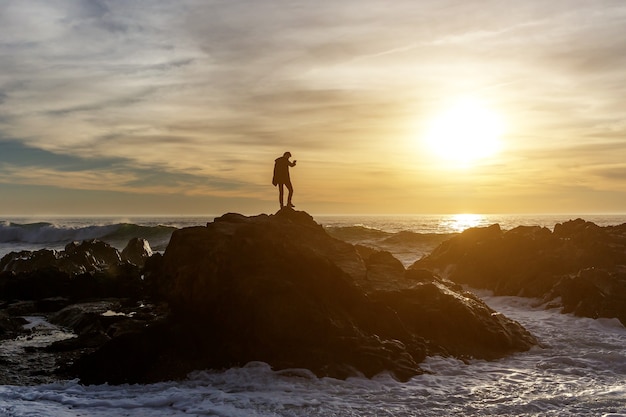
(180, 107)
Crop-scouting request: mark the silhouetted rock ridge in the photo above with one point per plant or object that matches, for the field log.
(580, 266)
(277, 288)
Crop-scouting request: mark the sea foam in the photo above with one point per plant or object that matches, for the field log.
(580, 372)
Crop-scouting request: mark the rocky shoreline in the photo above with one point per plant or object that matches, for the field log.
(580, 267)
(279, 289)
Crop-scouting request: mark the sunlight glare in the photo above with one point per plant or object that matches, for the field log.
(465, 133)
(461, 222)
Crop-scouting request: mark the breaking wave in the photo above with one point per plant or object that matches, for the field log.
(45, 234)
(405, 245)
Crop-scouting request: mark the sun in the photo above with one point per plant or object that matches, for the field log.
(465, 133)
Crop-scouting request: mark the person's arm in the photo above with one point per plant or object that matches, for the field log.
(292, 164)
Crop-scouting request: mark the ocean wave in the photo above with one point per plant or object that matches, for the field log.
(44, 233)
(356, 233)
(405, 245)
(413, 238)
(360, 233)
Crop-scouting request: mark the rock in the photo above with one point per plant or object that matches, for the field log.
(464, 328)
(10, 326)
(509, 263)
(89, 255)
(98, 326)
(84, 341)
(137, 251)
(85, 318)
(384, 271)
(91, 269)
(535, 262)
(50, 305)
(279, 289)
(28, 261)
(594, 293)
(133, 358)
(34, 285)
(21, 308)
(576, 229)
(77, 258)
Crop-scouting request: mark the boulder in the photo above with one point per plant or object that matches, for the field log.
(89, 269)
(89, 255)
(137, 251)
(85, 318)
(593, 292)
(28, 261)
(578, 262)
(383, 269)
(97, 322)
(76, 258)
(517, 262)
(279, 289)
(453, 321)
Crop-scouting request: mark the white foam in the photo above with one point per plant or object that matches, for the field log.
(582, 373)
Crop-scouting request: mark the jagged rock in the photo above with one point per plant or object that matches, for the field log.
(76, 258)
(455, 322)
(98, 322)
(279, 289)
(89, 255)
(384, 271)
(535, 262)
(594, 293)
(83, 270)
(137, 251)
(28, 261)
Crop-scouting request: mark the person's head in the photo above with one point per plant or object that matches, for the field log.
(287, 155)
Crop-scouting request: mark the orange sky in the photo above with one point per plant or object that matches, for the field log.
(112, 107)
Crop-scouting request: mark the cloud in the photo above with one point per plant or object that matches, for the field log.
(199, 97)
(29, 166)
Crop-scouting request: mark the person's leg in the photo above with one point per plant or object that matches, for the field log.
(281, 192)
(290, 188)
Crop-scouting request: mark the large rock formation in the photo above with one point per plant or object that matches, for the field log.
(279, 289)
(580, 265)
(87, 288)
(90, 268)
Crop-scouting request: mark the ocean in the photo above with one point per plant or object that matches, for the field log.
(412, 231)
(580, 370)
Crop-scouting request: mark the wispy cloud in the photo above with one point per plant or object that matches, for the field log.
(198, 98)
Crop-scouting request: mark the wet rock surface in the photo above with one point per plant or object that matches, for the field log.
(57, 306)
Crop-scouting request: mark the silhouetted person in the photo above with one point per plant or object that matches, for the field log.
(281, 177)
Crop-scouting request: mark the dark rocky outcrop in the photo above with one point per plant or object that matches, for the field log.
(580, 265)
(75, 259)
(279, 289)
(88, 269)
(274, 288)
(137, 251)
(72, 288)
(10, 325)
(593, 292)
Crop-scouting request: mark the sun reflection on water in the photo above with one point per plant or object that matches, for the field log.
(463, 221)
